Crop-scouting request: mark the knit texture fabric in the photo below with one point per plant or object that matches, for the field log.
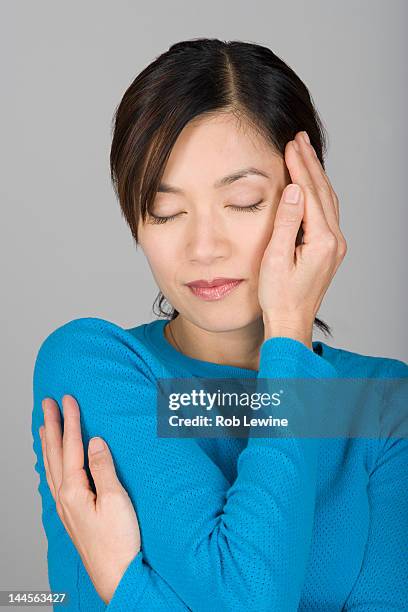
(228, 524)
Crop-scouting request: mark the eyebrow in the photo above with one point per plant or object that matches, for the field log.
(225, 180)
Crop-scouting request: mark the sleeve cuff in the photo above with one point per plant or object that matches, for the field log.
(285, 357)
(133, 581)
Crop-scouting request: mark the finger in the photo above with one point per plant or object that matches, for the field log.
(73, 472)
(53, 438)
(289, 214)
(327, 196)
(326, 178)
(102, 467)
(314, 220)
(48, 473)
(44, 453)
(72, 447)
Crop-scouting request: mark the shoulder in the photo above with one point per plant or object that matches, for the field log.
(91, 336)
(385, 378)
(94, 352)
(360, 365)
(106, 369)
(89, 330)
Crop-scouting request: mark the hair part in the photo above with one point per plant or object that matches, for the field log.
(197, 79)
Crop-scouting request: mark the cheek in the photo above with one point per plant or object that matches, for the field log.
(161, 259)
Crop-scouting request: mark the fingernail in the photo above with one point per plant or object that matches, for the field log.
(96, 445)
(306, 137)
(292, 194)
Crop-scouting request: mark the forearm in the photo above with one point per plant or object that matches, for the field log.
(248, 546)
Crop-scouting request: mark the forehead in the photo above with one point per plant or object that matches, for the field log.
(210, 148)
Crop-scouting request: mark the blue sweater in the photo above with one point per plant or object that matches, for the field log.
(228, 524)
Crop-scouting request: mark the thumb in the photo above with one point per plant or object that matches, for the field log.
(287, 222)
(102, 466)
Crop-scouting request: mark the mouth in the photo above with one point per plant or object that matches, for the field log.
(215, 289)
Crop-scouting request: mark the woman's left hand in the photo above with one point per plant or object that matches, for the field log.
(294, 278)
(103, 527)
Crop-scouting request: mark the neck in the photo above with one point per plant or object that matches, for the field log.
(239, 347)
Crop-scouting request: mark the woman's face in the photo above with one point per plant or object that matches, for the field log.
(208, 238)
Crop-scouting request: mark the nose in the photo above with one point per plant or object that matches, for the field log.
(206, 240)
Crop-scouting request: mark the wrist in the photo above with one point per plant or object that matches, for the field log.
(296, 331)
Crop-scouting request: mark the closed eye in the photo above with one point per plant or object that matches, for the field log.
(250, 208)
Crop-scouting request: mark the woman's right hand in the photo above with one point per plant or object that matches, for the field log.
(293, 279)
(103, 527)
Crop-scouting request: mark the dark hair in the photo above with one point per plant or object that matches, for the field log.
(196, 78)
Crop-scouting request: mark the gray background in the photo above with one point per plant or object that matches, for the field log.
(66, 250)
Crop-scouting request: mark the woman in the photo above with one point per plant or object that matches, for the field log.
(207, 133)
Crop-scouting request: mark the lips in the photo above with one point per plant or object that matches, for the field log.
(216, 282)
(211, 292)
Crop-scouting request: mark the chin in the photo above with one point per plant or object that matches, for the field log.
(223, 319)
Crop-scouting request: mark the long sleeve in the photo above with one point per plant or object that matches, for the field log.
(228, 547)
(382, 584)
(141, 587)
